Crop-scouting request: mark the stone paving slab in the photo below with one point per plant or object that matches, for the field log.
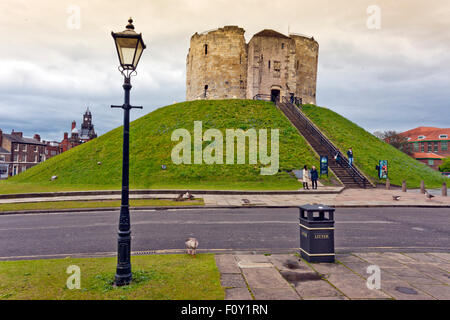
(286, 277)
(275, 294)
(354, 287)
(226, 263)
(232, 280)
(424, 257)
(264, 278)
(401, 290)
(433, 272)
(316, 289)
(440, 292)
(237, 294)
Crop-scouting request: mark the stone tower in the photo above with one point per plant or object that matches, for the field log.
(220, 65)
(216, 65)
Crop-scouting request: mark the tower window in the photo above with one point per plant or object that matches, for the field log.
(206, 49)
(269, 64)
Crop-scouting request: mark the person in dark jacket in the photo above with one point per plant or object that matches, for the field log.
(350, 157)
(314, 177)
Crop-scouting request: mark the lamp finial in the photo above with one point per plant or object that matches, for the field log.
(130, 24)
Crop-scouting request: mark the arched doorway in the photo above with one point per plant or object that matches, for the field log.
(275, 95)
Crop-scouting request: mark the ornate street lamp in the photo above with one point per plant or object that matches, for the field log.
(129, 47)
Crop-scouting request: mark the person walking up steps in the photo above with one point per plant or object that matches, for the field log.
(314, 177)
(350, 157)
(305, 177)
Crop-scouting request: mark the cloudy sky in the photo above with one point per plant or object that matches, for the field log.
(54, 65)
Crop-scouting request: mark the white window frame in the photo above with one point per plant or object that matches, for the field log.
(421, 137)
(443, 136)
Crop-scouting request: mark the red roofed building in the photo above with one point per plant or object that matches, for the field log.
(429, 145)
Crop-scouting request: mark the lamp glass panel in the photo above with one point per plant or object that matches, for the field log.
(127, 47)
(139, 50)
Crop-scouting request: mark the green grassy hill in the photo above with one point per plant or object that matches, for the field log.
(151, 146)
(368, 149)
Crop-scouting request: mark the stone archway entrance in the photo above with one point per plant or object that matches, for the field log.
(275, 95)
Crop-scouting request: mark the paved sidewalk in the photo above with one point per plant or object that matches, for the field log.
(409, 276)
(327, 196)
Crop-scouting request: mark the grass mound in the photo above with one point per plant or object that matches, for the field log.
(151, 147)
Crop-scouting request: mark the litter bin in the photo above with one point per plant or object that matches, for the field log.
(317, 233)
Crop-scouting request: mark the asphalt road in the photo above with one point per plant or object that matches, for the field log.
(357, 229)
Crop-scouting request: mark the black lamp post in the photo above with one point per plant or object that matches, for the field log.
(129, 47)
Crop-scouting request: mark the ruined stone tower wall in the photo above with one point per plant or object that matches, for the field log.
(216, 65)
(270, 65)
(307, 56)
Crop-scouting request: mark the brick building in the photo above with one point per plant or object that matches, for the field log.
(77, 137)
(18, 153)
(429, 145)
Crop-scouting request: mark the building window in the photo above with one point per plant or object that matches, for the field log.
(430, 162)
(24, 147)
(416, 146)
(282, 46)
(206, 49)
(443, 136)
(16, 147)
(206, 90)
(444, 145)
(24, 168)
(35, 148)
(422, 147)
(430, 147)
(2, 158)
(436, 148)
(277, 66)
(15, 158)
(36, 158)
(421, 137)
(269, 64)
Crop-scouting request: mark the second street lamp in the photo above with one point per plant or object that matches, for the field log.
(129, 47)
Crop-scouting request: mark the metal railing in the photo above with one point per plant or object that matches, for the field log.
(294, 100)
(351, 170)
(265, 97)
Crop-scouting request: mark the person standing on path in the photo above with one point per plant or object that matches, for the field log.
(305, 177)
(350, 157)
(314, 177)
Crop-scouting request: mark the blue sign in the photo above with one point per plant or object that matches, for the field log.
(323, 165)
(383, 169)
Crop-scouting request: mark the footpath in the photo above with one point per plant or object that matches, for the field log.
(403, 276)
(331, 196)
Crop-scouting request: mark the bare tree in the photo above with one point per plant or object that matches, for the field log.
(395, 139)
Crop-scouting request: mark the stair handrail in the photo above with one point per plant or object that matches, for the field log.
(354, 173)
(260, 96)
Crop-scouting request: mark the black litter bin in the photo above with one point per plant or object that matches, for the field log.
(317, 233)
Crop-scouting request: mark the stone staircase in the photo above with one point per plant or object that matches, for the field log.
(351, 177)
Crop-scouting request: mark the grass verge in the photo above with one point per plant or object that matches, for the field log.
(96, 204)
(157, 277)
